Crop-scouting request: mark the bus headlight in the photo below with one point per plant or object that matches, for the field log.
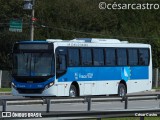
(49, 85)
(13, 85)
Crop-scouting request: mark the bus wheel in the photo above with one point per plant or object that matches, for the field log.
(72, 91)
(121, 90)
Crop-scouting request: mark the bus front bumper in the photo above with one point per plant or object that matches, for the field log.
(34, 92)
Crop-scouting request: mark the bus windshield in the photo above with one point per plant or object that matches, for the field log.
(33, 64)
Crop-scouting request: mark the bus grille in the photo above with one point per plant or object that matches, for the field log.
(33, 81)
(30, 91)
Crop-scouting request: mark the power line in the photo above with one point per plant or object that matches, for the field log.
(89, 33)
(124, 37)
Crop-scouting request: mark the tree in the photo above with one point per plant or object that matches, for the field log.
(64, 19)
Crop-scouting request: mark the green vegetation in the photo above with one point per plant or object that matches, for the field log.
(129, 118)
(65, 19)
(132, 118)
(157, 88)
(5, 89)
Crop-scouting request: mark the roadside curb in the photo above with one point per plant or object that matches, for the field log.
(5, 93)
(9, 93)
(155, 90)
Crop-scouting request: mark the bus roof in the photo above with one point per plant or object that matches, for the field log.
(88, 40)
(95, 42)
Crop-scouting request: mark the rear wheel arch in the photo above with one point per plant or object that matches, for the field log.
(122, 88)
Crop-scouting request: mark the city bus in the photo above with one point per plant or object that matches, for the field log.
(80, 67)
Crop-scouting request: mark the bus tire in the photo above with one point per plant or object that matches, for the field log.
(72, 91)
(122, 90)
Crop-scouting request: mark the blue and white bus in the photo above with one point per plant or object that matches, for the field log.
(80, 67)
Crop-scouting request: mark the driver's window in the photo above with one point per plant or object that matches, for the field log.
(61, 62)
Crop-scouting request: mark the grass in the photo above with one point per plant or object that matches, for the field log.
(5, 89)
(157, 88)
(132, 118)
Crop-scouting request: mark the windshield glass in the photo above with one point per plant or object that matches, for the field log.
(33, 64)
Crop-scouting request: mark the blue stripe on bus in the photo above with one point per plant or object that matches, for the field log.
(105, 73)
(94, 74)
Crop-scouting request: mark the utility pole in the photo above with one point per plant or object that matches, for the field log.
(30, 5)
(32, 22)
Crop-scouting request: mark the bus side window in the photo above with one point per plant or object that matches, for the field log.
(110, 55)
(132, 56)
(143, 56)
(86, 56)
(98, 57)
(61, 63)
(121, 56)
(73, 57)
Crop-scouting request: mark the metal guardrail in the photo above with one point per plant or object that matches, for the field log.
(63, 115)
(104, 114)
(89, 99)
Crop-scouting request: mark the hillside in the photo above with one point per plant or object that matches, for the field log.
(68, 19)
